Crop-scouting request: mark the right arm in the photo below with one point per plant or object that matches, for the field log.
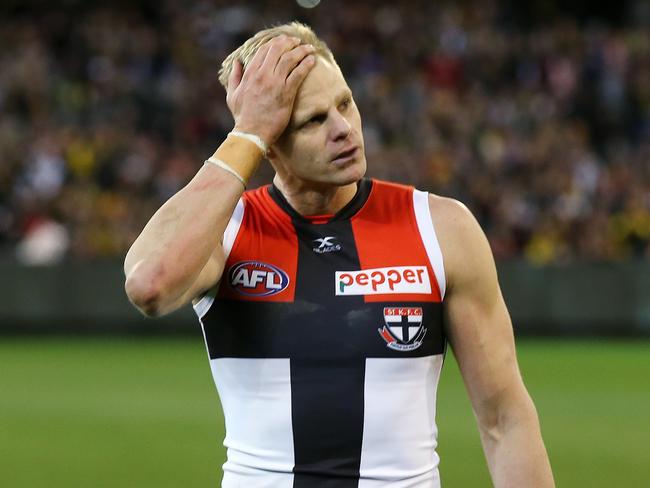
(179, 253)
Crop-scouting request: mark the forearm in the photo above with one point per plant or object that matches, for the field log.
(178, 240)
(515, 451)
(169, 256)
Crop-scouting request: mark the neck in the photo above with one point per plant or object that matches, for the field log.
(314, 199)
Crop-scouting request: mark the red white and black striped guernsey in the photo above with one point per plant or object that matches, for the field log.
(326, 343)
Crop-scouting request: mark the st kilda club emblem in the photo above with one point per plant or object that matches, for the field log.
(403, 330)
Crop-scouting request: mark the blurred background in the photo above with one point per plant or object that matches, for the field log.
(535, 115)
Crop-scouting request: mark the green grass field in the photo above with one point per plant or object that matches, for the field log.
(107, 412)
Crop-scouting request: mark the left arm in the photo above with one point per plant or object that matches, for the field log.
(481, 336)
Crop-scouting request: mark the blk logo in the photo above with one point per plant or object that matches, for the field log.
(326, 244)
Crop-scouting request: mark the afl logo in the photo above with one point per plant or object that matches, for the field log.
(257, 279)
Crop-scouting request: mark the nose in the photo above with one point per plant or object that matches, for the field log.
(341, 127)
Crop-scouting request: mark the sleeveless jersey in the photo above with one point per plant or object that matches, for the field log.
(326, 342)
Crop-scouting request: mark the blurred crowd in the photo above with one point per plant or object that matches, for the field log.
(541, 128)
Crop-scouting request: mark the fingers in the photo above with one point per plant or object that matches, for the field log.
(235, 76)
(278, 57)
(277, 47)
(290, 59)
(260, 56)
(300, 72)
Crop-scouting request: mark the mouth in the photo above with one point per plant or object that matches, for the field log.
(345, 155)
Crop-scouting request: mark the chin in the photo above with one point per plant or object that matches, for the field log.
(342, 176)
(350, 174)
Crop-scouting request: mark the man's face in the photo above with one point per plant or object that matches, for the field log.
(323, 142)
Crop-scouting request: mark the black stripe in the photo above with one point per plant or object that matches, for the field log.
(327, 414)
(240, 329)
(327, 389)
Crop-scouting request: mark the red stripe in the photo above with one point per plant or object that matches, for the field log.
(386, 234)
(271, 238)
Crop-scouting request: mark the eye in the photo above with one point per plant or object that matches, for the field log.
(315, 120)
(345, 103)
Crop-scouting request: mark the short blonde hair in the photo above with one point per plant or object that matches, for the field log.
(246, 51)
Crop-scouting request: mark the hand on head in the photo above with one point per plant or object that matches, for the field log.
(261, 97)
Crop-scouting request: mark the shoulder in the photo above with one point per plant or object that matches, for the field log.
(464, 246)
(452, 216)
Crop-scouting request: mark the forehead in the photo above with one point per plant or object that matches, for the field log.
(323, 85)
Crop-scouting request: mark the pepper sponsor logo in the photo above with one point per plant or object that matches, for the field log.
(380, 281)
(254, 278)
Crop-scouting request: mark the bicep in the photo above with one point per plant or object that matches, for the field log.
(483, 344)
(477, 321)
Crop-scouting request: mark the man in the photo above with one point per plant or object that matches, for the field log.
(322, 297)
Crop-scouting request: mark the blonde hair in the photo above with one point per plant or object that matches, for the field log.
(246, 51)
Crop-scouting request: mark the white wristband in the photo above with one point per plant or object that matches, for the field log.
(257, 140)
(224, 166)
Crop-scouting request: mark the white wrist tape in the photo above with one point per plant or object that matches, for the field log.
(226, 167)
(257, 140)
